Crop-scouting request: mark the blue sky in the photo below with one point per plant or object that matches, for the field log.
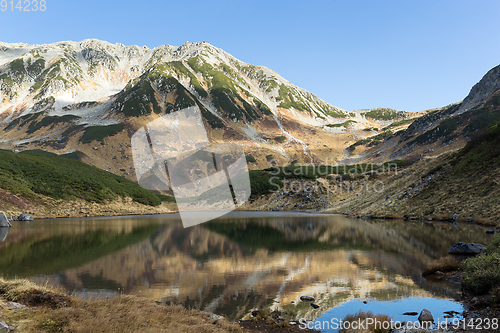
(405, 54)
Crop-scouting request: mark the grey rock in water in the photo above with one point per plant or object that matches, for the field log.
(466, 248)
(307, 298)
(455, 217)
(3, 233)
(25, 217)
(4, 222)
(425, 315)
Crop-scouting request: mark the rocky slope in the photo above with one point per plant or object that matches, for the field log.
(436, 132)
(71, 96)
(480, 92)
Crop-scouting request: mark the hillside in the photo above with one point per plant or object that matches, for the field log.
(465, 182)
(45, 185)
(436, 132)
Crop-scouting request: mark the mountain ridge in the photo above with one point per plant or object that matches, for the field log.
(52, 95)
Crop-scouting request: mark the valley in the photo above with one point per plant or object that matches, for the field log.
(409, 184)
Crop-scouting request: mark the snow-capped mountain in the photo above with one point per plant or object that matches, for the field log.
(92, 70)
(70, 96)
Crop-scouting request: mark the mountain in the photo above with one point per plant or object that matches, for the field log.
(436, 132)
(70, 96)
(91, 96)
(87, 99)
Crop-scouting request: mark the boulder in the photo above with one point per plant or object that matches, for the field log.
(3, 233)
(4, 222)
(16, 305)
(466, 248)
(214, 316)
(455, 217)
(490, 232)
(314, 306)
(425, 315)
(307, 298)
(4, 328)
(25, 217)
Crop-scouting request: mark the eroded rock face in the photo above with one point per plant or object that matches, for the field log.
(482, 90)
(466, 248)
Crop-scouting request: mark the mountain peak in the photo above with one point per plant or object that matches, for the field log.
(481, 91)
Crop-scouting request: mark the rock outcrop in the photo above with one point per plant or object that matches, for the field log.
(466, 248)
(4, 222)
(425, 316)
(25, 217)
(481, 91)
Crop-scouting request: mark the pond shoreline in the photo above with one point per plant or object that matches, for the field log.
(478, 222)
(354, 225)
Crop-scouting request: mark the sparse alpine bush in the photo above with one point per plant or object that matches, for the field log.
(482, 274)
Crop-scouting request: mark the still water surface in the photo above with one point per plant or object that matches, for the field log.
(243, 261)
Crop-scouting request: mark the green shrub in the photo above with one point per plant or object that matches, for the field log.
(482, 273)
(385, 114)
(263, 183)
(401, 123)
(251, 159)
(344, 124)
(280, 139)
(50, 121)
(30, 173)
(98, 133)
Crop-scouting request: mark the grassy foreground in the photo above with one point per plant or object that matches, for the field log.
(49, 310)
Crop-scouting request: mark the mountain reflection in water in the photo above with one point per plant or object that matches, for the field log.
(238, 262)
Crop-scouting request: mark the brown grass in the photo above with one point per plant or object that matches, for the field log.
(56, 312)
(379, 322)
(128, 314)
(445, 264)
(11, 290)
